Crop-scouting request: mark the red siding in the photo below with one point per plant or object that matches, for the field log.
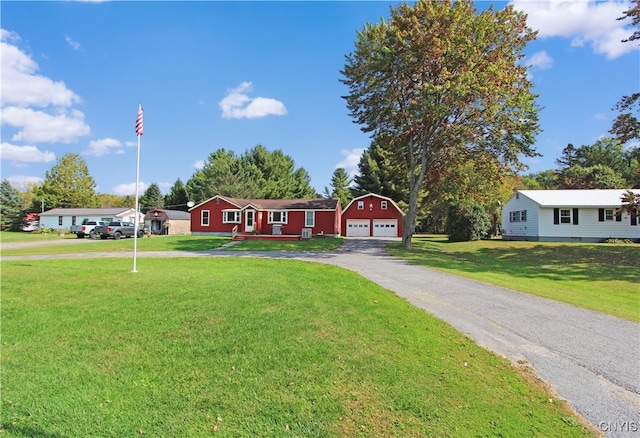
(325, 221)
(373, 210)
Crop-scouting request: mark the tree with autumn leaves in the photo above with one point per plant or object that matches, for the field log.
(438, 82)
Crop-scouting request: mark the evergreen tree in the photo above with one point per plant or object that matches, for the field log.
(152, 198)
(340, 182)
(11, 211)
(67, 185)
(177, 197)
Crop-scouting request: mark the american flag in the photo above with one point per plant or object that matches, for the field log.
(139, 124)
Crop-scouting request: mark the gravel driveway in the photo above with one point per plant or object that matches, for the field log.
(592, 360)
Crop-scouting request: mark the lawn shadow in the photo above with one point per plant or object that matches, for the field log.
(602, 262)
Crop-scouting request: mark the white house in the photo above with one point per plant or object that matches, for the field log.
(568, 216)
(63, 218)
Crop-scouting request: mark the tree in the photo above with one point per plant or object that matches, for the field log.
(11, 210)
(603, 165)
(258, 173)
(152, 198)
(340, 182)
(377, 174)
(437, 79)
(275, 174)
(466, 221)
(626, 126)
(631, 204)
(222, 174)
(67, 185)
(177, 197)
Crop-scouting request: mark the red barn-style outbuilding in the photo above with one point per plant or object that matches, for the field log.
(372, 215)
(225, 216)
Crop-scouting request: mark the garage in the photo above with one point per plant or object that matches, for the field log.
(385, 227)
(358, 228)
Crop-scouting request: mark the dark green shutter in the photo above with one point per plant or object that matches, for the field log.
(601, 215)
(575, 216)
(556, 216)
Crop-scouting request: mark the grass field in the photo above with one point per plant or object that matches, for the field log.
(601, 277)
(238, 347)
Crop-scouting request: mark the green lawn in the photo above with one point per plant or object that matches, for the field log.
(238, 347)
(601, 277)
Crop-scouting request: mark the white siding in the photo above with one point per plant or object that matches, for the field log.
(589, 228)
(527, 229)
(539, 224)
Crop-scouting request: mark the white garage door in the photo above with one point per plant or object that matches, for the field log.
(358, 228)
(385, 227)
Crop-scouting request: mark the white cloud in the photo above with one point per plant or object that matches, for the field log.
(98, 148)
(198, 164)
(21, 182)
(238, 105)
(72, 43)
(21, 86)
(540, 60)
(351, 160)
(38, 126)
(24, 154)
(584, 21)
(129, 189)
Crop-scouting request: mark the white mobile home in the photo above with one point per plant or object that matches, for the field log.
(63, 218)
(568, 216)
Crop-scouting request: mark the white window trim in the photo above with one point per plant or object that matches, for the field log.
(360, 205)
(383, 205)
(609, 214)
(567, 217)
(283, 217)
(227, 213)
(202, 216)
(306, 218)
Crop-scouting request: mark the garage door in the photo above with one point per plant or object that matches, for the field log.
(358, 228)
(385, 227)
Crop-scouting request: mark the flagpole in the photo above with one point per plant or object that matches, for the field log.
(136, 222)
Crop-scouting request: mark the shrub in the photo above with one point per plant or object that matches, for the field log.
(467, 221)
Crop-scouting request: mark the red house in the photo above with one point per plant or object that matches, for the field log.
(239, 218)
(372, 215)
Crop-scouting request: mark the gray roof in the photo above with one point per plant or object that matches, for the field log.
(85, 211)
(283, 204)
(174, 214)
(577, 198)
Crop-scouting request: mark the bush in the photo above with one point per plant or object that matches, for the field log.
(467, 221)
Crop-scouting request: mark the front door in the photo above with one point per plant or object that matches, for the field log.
(249, 221)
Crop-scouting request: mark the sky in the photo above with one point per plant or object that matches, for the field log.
(232, 75)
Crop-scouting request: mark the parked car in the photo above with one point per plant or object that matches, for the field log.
(87, 229)
(118, 229)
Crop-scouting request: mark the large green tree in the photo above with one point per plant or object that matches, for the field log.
(11, 209)
(377, 173)
(340, 183)
(152, 198)
(177, 198)
(67, 185)
(439, 78)
(606, 164)
(258, 173)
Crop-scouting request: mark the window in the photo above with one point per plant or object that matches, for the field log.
(231, 217)
(204, 218)
(277, 217)
(383, 205)
(309, 218)
(609, 214)
(60, 220)
(518, 216)
(73, 220)
(360, 205)
(565, 216)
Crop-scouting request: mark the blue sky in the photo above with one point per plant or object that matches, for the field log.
(232, 75)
